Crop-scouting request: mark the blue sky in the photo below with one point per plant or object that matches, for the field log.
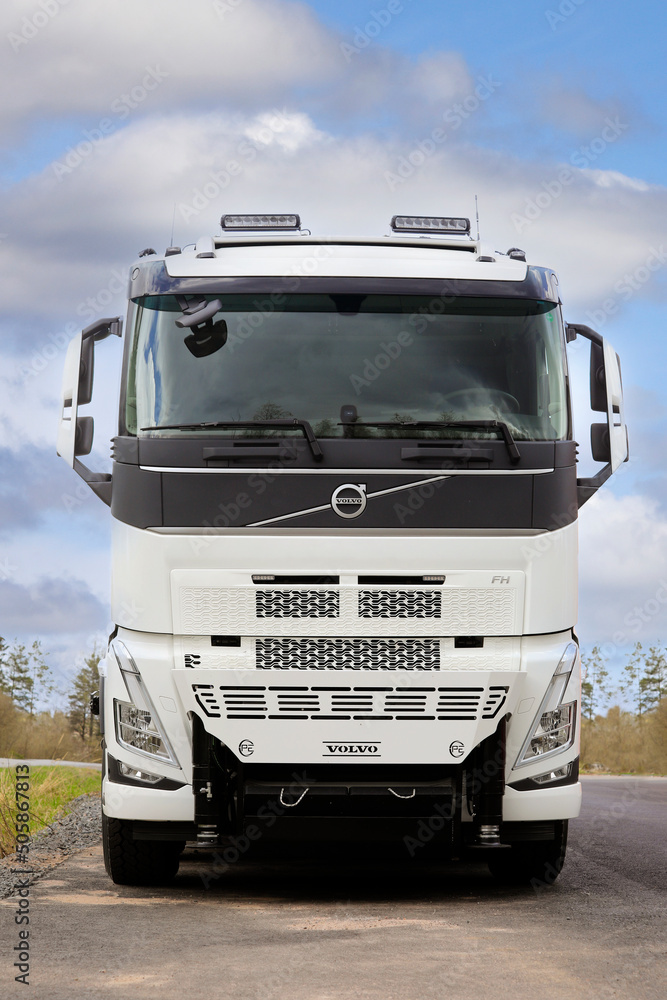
(121, 112)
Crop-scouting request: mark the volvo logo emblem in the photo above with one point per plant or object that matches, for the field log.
(345, 749)
(349, 500)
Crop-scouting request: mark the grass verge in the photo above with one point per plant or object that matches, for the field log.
(51, 789)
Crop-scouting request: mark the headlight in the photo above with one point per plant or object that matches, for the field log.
(138, 726)
(553, 728)
(136, 729)
(553, 732)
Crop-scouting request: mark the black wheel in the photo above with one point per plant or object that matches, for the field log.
(534, 862)
(137, 862)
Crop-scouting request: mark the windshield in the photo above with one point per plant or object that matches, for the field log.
(385, 361)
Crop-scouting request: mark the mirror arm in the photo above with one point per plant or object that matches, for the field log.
(572, 330)
(99, 482)
(587, 487)
(103, 328)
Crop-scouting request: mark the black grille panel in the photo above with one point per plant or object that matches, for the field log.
(348, 654)
(297, 604)
(399, 604)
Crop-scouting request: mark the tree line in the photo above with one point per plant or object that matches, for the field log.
(27, 684)
(643, 681)
(612, 737)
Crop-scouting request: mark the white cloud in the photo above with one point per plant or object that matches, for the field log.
(79, 229)
(623, 564)
(574, 111)
(88, 59)
(442, 78)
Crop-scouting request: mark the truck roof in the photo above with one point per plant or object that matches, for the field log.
(342, 256)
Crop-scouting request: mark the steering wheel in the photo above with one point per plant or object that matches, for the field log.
(480, 396)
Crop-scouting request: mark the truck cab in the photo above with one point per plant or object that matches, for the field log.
(344, 501)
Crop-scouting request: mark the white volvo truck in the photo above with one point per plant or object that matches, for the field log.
(344, 504)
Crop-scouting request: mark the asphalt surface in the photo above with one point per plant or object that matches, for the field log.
(369, 928)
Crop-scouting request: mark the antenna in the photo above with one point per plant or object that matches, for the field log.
(173, 223)
(477, 217)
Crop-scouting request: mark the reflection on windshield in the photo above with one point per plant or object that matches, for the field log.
(394, 359)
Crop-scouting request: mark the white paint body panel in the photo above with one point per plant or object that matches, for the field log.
(352, 259)
(170, 686)
(146, 564)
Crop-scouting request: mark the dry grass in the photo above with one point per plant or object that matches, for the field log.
(44, 737)
(626, 744)
(51, 788)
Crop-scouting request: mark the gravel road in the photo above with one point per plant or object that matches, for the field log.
(371, 929)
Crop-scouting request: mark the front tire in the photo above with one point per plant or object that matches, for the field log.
(137, 862)
(533, 862)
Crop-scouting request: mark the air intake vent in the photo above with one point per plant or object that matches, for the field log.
(399, 604)
(297, 702)
(244, 703)
(349, 654)
(297, 604)
(459, 703)
(326, 704)
(496, 699)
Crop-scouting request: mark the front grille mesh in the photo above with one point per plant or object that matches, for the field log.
(399, 604)
(348, 654)
(297, 604)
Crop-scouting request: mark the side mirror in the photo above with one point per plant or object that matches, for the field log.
(70, 401)
(598, 382)
(600, 447)
(75, 433)
(609, 441)
(83, 438)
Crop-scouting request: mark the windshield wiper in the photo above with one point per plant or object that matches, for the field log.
(496, 425)
(291, 422)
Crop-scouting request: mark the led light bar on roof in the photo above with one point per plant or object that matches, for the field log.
(260, 222)
(429, 224)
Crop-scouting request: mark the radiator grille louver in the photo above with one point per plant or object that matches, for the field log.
(348, 654)
(465, 704)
